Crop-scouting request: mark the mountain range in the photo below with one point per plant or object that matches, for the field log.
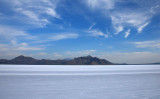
(85, 60)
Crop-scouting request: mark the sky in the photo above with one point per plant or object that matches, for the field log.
(120, 31)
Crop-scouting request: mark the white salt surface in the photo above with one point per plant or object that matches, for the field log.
(79, 82)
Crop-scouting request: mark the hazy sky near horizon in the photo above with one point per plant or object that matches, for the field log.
(121, 31)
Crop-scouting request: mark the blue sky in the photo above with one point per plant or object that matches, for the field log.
(121, 31)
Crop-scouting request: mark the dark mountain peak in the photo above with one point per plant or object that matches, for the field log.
(89, 60)
(3, 61)
(23, 60)
(85, 57)
(89, 57)
(21, 57)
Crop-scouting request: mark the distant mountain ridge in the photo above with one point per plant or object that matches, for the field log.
(86, 60)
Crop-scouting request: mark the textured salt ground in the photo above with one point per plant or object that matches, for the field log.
(134, 82)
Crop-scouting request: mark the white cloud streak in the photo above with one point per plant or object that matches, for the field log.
(127, 33)
(154, 9)
(33, 12)
(118, 29)
(97, 33)
(122, 17)
(19, 47)
(147, 44)
(142, 27)
(9, 33)
(134, 19)
(29, 49)
(64, 36)
(90, 28)
(101, 4)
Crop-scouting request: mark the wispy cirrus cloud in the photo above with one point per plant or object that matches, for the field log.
(100, 4)
(133, 19)
(29, 48)
(97, 33)
(63, 36)
(147, 44)
(142, 27)
(90, 28)
(13, 35)
(33, 12)
(23, 46)
(127, 33)
(124, 18)
(154, 9)
(10, 33)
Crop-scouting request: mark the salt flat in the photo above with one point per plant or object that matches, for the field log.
(80, 82)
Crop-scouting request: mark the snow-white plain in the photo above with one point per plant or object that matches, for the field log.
(80, 82)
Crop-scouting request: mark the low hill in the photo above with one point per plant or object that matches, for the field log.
(86, 60)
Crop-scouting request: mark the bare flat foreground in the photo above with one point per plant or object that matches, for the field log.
(80, 82)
